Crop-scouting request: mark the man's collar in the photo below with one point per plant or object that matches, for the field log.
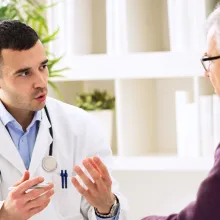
(6, 117)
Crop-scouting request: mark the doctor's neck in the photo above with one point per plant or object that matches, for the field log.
(22, 116)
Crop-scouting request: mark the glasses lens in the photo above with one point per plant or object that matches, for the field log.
(206, 64)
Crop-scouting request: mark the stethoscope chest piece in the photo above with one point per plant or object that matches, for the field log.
(49, 163)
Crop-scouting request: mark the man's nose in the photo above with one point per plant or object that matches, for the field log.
(40, 80)
(206, 73)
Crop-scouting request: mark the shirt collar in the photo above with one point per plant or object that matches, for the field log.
(37, 117)
(6, 117)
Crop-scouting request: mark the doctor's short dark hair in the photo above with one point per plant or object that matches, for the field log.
(16, 35)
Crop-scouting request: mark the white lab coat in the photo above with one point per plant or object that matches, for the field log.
(75, 137)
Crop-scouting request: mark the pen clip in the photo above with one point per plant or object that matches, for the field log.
(62, 178)
(65, 175)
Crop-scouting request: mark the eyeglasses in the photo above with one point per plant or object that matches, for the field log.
(207, 61)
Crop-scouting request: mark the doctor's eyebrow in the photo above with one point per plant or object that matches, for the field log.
(44, 62)
(22, 70)
(28, 68)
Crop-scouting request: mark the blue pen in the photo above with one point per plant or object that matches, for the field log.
(62, 178)
(66, 175)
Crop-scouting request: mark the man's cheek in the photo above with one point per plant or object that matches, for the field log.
(216, 83)
(212, 79)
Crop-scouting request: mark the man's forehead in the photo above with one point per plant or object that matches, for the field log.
(211, 49)
(211, 32)
(22, 58)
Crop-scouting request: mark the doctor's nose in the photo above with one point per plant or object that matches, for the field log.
(40, 80)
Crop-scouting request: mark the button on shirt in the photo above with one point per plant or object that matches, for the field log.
(24, 141)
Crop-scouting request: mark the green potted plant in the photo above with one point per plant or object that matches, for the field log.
(33, 13)
(101, 105)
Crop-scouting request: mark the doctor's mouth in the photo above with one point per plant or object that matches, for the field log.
(41, 98)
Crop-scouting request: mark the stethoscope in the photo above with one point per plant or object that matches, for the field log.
(49, 163)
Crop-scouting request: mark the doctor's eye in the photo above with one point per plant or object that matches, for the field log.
(44, 67)
(25, 73)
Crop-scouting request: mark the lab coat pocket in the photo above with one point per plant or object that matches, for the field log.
(67, 201)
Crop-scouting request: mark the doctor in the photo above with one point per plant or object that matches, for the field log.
(45, 140)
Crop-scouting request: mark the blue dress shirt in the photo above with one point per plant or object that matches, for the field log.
(25, 141)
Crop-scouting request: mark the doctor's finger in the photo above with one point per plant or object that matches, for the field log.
(92, 171)
(93, 164)
(39, 201)
(23, 187)
(84, 178)
(25, 177)
(79, 188)
(38, 209)
(35, 193)
(103, 169)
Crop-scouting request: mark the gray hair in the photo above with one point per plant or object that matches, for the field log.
(213, 21)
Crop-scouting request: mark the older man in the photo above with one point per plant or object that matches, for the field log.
(207, 204)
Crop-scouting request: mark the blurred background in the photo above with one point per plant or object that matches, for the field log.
(135, 65)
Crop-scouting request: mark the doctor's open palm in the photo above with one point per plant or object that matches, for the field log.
(22, 205)
(98, 189)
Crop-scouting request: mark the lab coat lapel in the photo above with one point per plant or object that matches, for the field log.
(9, 151)
(41, 148)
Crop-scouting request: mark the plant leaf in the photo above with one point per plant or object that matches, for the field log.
(50, 37)
(56, 89)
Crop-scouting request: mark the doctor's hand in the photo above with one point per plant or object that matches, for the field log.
(98, 192)
(22, 205)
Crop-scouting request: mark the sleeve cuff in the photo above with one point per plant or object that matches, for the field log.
(116, 217)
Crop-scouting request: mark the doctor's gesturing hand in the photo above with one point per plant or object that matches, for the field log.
(22, 205)
(98, 192)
